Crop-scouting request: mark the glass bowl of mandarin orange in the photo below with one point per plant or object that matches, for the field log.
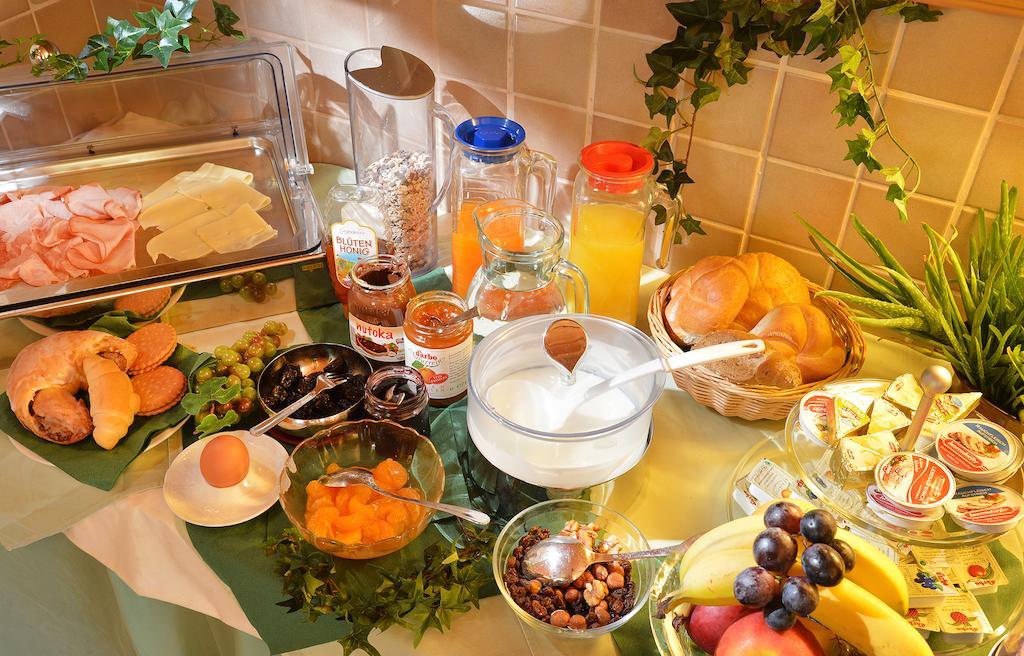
(357, 522)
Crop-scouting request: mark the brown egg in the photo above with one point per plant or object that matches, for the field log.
(224, 461)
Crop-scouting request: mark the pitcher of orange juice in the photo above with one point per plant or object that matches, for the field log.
(493, 163)
(612, 198)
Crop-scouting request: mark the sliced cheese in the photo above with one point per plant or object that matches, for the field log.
(887, 417)
(164, 191)
(210, 173)
(182, 241)
(170, 212)
(241, 230)
(227, 196)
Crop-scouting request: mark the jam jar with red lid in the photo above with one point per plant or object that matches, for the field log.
(381, 289)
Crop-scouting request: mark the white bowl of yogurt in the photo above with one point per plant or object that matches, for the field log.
(523, 418)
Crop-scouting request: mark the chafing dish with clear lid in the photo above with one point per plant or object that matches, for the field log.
(142, 125)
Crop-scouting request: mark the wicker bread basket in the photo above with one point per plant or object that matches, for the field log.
(753, 401)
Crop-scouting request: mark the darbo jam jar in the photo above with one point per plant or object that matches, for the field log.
(381, 289)
(439, 350)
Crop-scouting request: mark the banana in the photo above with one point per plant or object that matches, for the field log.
(848, 610)
(873, 571)
(863, 620)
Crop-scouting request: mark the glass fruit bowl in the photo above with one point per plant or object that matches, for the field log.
(363, 444)
(553, 515)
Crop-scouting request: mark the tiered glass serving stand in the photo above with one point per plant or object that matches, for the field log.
(806, 458)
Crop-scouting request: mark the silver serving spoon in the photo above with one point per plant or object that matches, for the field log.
(355, 476)
(561, 559)
(565, 343)
(935, 380)
(324, 382)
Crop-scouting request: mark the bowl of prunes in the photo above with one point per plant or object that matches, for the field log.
(293, 374)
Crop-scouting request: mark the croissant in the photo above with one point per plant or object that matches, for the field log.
(45, 377)
(112, 401)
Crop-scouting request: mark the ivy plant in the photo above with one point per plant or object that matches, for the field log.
(156, 34)
(710, 51)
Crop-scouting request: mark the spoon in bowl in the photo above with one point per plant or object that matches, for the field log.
(355, 476)
(565, 343)
(561, 559)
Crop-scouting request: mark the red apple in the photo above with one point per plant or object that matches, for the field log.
(750, 636)
(708, 623)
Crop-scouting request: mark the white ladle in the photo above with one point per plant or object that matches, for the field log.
(679, 361)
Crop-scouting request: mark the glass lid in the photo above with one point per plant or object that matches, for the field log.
(150, 177)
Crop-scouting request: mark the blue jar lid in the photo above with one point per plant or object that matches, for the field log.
(490, 138)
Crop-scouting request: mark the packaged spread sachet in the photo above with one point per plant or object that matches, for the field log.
(904, 392)
(854, 457)
(886, 416)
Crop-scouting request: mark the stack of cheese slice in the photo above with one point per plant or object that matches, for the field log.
(199, 212)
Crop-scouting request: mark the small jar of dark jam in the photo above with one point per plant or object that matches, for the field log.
(399, 394)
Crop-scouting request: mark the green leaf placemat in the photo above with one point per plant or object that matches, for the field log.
(236, 554)
(86, 461)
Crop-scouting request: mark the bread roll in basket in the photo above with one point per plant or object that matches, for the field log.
(748, 401)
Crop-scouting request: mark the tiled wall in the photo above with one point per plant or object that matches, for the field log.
(954, 91)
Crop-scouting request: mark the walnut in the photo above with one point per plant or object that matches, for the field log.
(595, 592)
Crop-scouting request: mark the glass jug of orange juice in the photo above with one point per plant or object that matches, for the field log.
(523, 273)
(492, 163)
(612, 198)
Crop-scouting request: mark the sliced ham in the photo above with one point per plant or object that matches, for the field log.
(51, 234)
(95, 202)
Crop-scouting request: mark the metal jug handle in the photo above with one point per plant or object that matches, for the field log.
(674, 212)
(545, 167)
(578, 281)
(440, 113)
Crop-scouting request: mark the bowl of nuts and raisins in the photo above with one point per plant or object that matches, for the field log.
(603, 598)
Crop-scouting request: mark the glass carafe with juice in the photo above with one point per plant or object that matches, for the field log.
(612, 198)
(523, 273)
(492, 163)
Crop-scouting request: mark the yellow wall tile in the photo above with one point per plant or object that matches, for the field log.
(805, 128)
(960, 58)
(906, 241)
(643, 17)
(552, 60)
(580, 10)
(740, 116)
(941, 140)
(337, 23)
(472, 42)
(1002, 161)
(616, 92)
(723, 183)
(788, 192)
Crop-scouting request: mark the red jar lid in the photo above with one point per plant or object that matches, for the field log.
(617, 161)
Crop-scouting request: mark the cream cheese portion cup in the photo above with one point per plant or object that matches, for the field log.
(914, 480)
